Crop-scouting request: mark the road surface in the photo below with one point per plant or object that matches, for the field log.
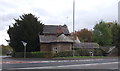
(11, 65)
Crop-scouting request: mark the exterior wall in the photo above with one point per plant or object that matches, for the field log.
(59, 47)
(45, 47)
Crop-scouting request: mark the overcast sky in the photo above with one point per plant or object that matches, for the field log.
(58, 12)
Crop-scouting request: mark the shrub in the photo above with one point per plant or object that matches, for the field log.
(33, 54)
(64, 54)
(6, 49)
(42, 54)
(18, 54)
(82, 52)
(99, 52)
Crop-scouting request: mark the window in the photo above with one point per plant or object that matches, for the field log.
(56, 51)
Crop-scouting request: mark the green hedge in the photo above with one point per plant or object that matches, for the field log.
(64, 54)
(42, 54)
(33, 54)
(82, 52)
(99, 52)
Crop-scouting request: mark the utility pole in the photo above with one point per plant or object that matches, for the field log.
(73, 25)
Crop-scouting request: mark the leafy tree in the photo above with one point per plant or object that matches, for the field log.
(116, 35)
(26, 28)
(102, 33)
(5, 49)
(84, 35)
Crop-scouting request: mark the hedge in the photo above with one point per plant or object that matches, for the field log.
(81, 52)
(99, 52)
(64, 54)
(33, 54)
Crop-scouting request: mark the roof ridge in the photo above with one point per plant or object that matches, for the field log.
(55, 25)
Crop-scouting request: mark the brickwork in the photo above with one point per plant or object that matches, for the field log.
(56, 47)
(45, 47)
(59, 47)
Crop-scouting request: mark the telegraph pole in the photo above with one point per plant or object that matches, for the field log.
(73, 25)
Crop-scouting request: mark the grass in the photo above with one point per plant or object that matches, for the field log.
(85, 57)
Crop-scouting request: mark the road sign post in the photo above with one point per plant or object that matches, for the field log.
(24, 43)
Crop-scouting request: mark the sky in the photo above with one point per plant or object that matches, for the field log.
(57, 12)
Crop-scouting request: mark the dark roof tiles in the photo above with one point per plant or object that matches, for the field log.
(86, 45)
(52, 29)
(52, 38)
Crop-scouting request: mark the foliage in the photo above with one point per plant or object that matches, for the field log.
(25, 29)
(102, 33)
(116, 36)
(64, 54)
(43, 54)
(6, 49)
(82, 52)
(84, 35)
(99, 52)
(33, 54)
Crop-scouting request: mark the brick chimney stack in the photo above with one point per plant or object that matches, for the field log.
(75, 35)
(59, 29)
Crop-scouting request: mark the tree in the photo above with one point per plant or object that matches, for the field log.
(84, 35)
(102, 33)
(116, 35)
(26, 29)
(5, 49)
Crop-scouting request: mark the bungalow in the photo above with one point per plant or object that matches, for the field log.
(56, 38)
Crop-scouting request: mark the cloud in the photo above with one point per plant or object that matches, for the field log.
(87, 12)
(3, 36)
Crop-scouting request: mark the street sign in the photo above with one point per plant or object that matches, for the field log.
(24, 43)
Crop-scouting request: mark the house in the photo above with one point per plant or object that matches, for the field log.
(56, 38)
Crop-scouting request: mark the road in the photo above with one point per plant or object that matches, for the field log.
(10, 64)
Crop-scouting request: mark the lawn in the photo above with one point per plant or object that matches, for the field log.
(86, 57)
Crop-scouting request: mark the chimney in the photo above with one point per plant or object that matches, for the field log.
(59, 29)
(75, 35)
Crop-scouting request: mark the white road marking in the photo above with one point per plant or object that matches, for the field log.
(17, 62)
(51, 67)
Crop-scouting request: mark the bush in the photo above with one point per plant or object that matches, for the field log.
(33, 54)
(99, 52)
(64, 54)
(18, 54)
(6, 49)
(42, 54)
(82, 52)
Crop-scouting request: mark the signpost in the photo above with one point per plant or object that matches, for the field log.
(24, 43)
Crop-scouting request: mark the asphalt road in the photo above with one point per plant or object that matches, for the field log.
(110, 63)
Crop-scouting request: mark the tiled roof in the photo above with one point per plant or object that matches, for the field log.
(53, 38)
(86, 45)
(46, 39)
(52, 29)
